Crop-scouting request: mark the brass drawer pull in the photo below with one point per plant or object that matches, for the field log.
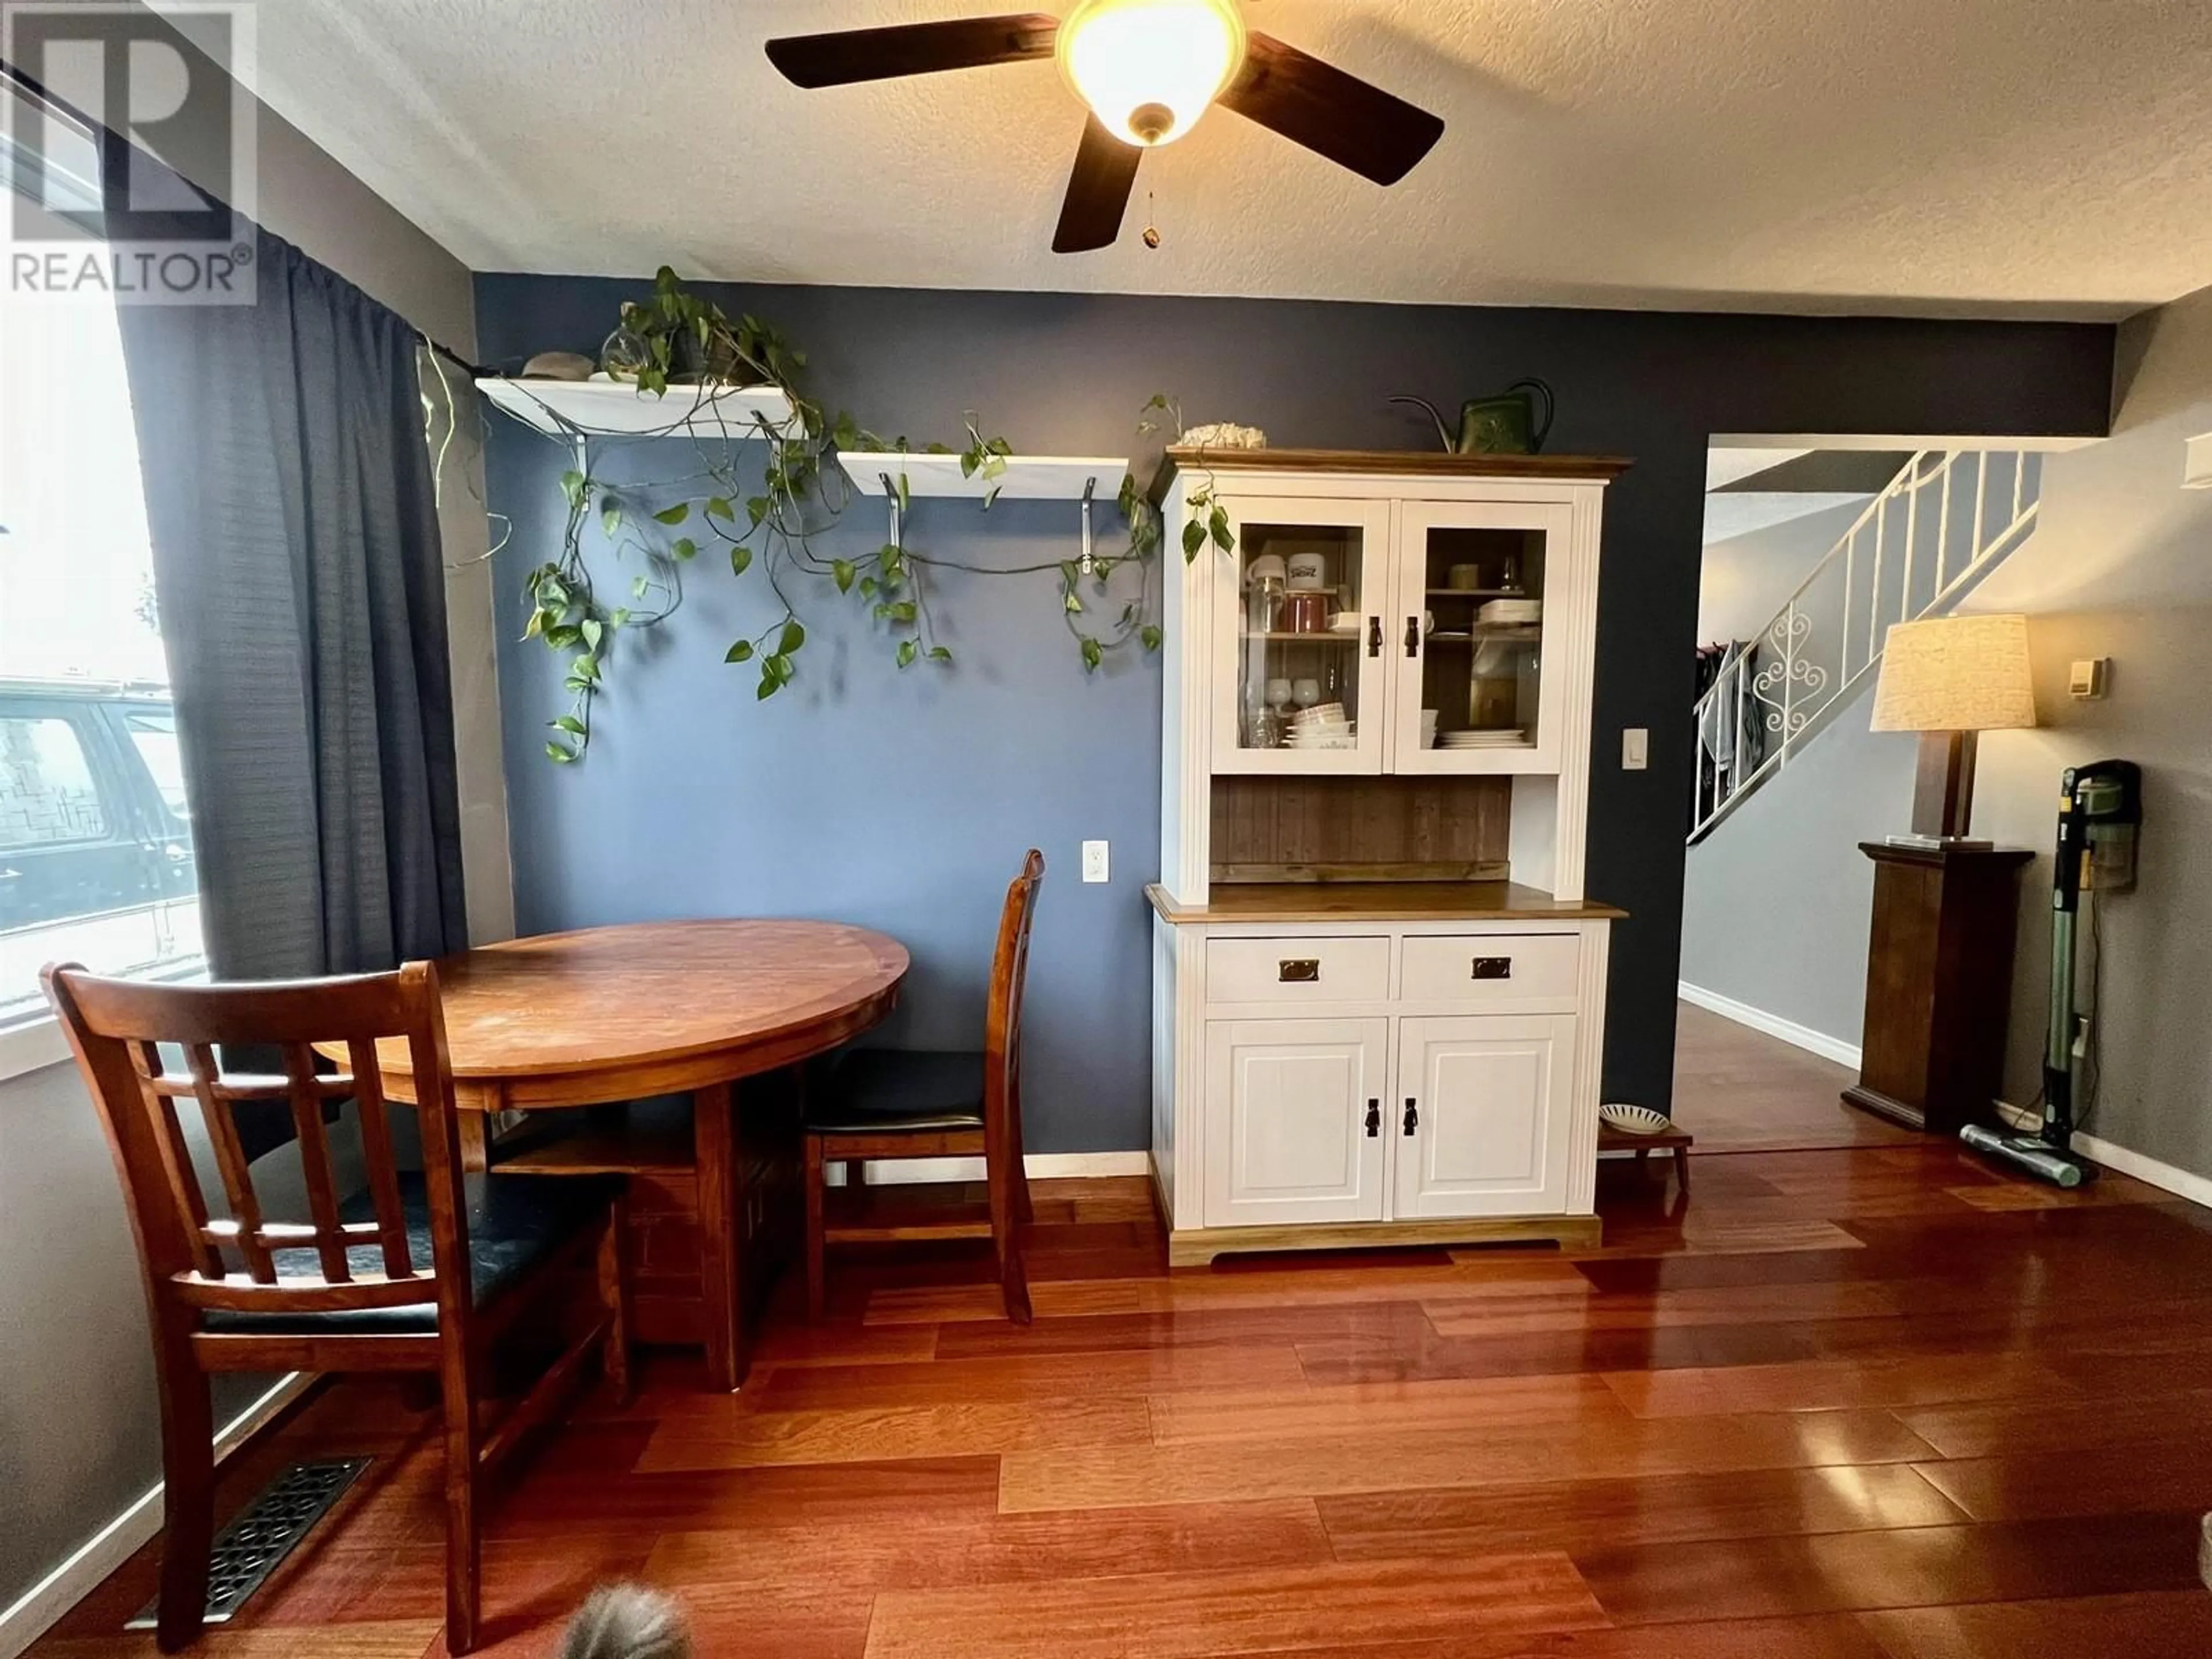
(1493, 967)
(1300, 970)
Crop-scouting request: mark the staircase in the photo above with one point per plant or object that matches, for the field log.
(1946, 520)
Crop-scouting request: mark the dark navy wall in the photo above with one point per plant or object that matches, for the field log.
(904, 800)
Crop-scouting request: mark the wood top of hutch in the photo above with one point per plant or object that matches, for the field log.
(1378, 900)
(1431, 463)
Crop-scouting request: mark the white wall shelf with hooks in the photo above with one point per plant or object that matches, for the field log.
(606, 408)
(1025, 478)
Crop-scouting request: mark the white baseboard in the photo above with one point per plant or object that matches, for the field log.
(1040, 1166)
(45, 1601)
(1788, 1030)
(2164, 1176)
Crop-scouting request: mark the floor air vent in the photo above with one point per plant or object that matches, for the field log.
(249, 1549)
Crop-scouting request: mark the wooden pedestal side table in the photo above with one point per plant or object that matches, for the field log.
(1939, 983)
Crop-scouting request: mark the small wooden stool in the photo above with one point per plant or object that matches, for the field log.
(1679, 1141)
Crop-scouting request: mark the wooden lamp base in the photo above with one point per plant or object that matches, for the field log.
(1944, 793)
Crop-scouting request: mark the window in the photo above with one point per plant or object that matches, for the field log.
(95, 845)
(47, 796)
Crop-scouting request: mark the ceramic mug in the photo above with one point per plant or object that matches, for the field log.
(1308, 572)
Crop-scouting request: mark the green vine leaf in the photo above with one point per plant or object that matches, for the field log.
(718, 507)
(906, 653)
(741, 559)
(683, 548)
(676, 514)
(794, 637)
(741, 652)
(768, 687)
(568, 723)
(610, 515)
(638, 585)
(555, 750)
(1151, 636)
(841, 571)
(939, 653)
(593, 632)
(1093, 654)
(1194, 537)
(572, 487)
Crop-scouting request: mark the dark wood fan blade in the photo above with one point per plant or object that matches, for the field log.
(1098, 190)
(850, 55)
(1354, 124)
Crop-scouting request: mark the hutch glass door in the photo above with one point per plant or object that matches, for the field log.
(1299, 628)
(1475, 581)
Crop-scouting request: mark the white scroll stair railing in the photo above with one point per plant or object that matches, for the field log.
(1936, 529)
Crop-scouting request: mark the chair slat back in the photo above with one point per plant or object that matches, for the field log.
(1010, 965)
(117, 1028)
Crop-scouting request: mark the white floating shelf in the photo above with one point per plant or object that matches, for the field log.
(601, 407)
(1026, 477)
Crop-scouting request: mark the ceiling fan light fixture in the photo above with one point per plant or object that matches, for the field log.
(1150, 68)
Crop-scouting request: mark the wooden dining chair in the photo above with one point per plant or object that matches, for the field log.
(419, 1273)
(905, 1104)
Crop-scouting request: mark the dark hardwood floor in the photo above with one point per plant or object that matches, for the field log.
(1864, 1403)
(1740, 1090)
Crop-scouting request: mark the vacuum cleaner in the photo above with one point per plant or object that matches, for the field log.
(2100, 812)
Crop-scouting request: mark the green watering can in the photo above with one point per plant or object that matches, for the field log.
(1504, 423)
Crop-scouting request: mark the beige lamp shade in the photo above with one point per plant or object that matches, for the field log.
(1955, 674)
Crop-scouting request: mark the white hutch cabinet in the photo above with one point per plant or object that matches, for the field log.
(1378, 990)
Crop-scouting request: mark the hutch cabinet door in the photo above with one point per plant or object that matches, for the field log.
(1481, 1118)
(1472, 583)
(1300, 637)
(1295, 1120)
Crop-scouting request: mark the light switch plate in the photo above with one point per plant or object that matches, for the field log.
(2197, 463)
(1094, 860)
(2087, 678)
(1635, 748)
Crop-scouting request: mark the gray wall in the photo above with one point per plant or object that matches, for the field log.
(904, 804)
(1775, 902)
(79, 1435)
(1744, 581)
(80, 1438)
(2121, 566)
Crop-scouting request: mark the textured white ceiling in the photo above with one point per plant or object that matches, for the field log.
(1998, 157)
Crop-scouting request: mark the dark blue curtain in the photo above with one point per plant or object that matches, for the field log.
(300, 584)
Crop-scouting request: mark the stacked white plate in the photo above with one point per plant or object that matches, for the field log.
(1323, 726)
(1504, 613)
(1517, 738)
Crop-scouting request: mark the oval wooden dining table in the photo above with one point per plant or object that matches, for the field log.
(607, 1014)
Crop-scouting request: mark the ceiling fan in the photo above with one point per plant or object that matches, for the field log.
(1149, 69)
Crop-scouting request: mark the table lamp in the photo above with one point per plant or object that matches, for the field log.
(1948, 679)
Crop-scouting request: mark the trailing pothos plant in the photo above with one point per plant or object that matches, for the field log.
(659, 529)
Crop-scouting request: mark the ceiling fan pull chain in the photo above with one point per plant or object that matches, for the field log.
(1151, 230)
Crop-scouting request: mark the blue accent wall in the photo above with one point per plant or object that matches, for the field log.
(904, 801)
